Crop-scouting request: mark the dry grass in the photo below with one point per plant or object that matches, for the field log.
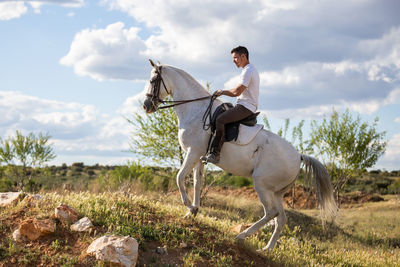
(366, 235)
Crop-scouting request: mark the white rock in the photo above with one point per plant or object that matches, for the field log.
(8, 198)
(82, 225)
(66, 214)
(35, 197)
(18, 237)
(121, 250)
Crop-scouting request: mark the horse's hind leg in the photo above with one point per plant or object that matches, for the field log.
(270, 211)
(280, 221)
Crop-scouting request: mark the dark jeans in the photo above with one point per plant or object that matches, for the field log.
(237, 113)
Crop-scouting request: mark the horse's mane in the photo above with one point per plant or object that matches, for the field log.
(192, 81)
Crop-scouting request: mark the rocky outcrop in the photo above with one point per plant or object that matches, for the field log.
(83, 225)
(118, 250)
(66, 214)
(9, 198)
(33, 229)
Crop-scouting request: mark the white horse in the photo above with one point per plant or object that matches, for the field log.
(268, 159)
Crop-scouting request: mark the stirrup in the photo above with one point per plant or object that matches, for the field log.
(210, 158)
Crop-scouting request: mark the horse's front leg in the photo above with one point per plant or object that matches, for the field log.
(198, 183)
(190, 160)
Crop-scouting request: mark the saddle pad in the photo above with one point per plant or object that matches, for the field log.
(246, 134)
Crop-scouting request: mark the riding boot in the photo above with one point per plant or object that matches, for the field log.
(215, 150)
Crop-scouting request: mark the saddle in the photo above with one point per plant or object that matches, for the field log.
(231, 129)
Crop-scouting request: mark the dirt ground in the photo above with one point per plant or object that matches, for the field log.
(299, 197)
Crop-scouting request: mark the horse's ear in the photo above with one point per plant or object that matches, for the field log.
(155, 66)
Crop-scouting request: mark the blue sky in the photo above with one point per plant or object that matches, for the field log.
(75, 68)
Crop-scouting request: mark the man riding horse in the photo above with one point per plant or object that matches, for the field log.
(247, 101)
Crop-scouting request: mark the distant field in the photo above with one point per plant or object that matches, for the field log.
(365, 235)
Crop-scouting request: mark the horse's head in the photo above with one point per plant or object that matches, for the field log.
(156, 91)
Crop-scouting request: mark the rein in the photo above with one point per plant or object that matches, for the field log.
(180, 102)
(207, 113)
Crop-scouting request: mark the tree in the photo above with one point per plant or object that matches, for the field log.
(303, 146)
(156, 136)
(22, 153)
(348, 145)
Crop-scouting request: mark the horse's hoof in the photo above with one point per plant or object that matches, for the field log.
(194, 211)
(187, 215)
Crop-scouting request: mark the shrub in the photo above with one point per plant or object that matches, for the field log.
(148, 178)
(395, 187)
(5, 185)
(78, 164)
(227, 179)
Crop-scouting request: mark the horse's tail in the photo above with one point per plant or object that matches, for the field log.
(323, 184)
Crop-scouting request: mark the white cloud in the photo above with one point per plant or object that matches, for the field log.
(76, 129)
(15, 9)
(298, 66)
(11, 10)
(310, 112)
(371, 106)
(397, 120)
(271, 78)
(65, 3)
(38, 114)
(132, 104)
(110, 53)
(315, 111)
(391, 157)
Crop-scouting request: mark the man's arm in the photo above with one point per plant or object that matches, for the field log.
(237, 91)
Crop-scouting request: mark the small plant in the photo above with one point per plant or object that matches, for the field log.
(13, 248)
(30, 256)
(56, 245)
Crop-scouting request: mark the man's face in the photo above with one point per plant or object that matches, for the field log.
(239, 59)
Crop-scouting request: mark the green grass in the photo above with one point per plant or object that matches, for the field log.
(366, 235)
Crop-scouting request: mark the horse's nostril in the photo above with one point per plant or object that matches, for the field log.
(144, 106)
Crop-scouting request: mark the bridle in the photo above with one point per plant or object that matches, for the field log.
(156, 87)
(154, 94)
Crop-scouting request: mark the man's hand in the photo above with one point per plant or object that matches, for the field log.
(218, 92)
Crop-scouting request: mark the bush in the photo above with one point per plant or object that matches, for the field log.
(5, 185)
(395, 187)
(78, 164)
(227, 179)
(148, 178)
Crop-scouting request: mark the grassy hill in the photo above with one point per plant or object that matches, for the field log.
(365, 235)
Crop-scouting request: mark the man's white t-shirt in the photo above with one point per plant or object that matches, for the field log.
(249, 97)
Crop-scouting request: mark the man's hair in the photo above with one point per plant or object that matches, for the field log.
(241, 50)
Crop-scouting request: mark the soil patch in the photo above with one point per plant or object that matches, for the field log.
(300, 197)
